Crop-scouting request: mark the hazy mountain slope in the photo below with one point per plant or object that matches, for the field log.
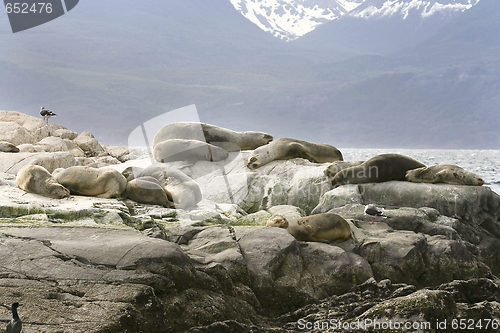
(440, 93)
(382, 26)
(473, 37)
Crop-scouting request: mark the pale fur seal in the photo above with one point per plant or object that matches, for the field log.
(335, 167)
(84, 180)
(212, 134)
(149, 191)
(315, 228)
(286, 148)
(180, 188)
(36, 179)
(378, 169)
(187, 150)
(444, 173)
(8, 147)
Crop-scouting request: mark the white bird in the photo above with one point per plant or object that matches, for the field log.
(46, 114)
(373, 210)
(15, 325)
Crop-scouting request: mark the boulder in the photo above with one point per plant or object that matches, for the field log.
(286, 273)
(65, 134)
(89, 144)
(296, 182)
(476, 204)
(35, 126)
(11, 163)
(15, 133)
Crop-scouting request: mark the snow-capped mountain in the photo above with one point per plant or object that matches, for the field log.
(375, 9)
(290, 19)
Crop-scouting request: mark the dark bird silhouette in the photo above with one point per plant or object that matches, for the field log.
(373, 210)
(15, 325)
(46, 114)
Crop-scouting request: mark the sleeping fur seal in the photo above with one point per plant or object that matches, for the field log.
(179, 187)
(286, 148)
(315, 228)
(444, 173)
(36, 179)
(187, 150)
(378, 169)
(84, 180)
(147, 190)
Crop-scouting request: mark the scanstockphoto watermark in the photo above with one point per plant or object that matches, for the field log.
(471, 325)
(363, 325)
(232, 189)
(27, 14)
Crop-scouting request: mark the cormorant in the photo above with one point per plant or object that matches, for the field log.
(15, 325)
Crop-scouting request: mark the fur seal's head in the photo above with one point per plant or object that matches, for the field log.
(478, 181)
(266, 138)
(250, 140)
(412, 175)
(253, 163)
(59, 191)
(277, 221)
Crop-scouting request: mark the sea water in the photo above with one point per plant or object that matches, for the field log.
(485, 163)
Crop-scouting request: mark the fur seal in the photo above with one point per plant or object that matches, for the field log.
(187, 150)
(378, 169)
(335, 167)
(179, 187)
(149, 191)
(36, 179)
(8, 147)
(315, 228)
(84, 180)
(444, 173)
(212, 134)
(286, 148)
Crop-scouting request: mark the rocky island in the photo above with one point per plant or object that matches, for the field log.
(94, 264)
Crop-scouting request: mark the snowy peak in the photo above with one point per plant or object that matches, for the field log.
(375, 9)
(290, 19)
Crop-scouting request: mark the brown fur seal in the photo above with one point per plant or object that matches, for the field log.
(335, 167)
(187, 150)
(212, 134)
(378, 169)
(149, 191)
(36, 179)
(444, 173)
(8, 147)
(315, 228)
(180, 188)
(84, 180)
(286, 148)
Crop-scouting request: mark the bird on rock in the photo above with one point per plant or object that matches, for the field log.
(46, 114)
(15, 325)
(373, 210)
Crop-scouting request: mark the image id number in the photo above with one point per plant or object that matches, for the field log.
(470, 324)
(24, 8)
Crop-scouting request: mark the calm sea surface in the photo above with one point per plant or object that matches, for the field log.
(486, 163)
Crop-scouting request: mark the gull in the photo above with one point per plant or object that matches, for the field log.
(46, 114)
(373, 210)
(15, 325)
